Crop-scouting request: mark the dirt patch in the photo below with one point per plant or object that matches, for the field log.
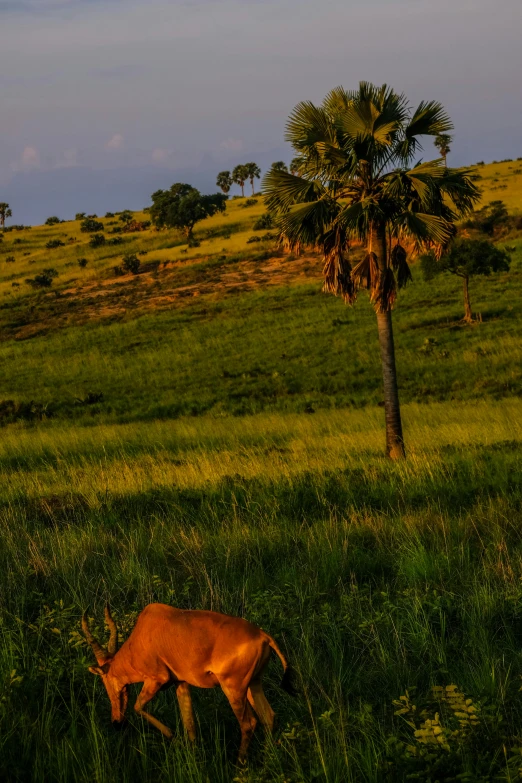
(159, 287)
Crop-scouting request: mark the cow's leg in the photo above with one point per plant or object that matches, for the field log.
(149, 690)
(185, 706)
(259, 702)
(244, 714)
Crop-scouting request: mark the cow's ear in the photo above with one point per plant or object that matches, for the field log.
(99, 670)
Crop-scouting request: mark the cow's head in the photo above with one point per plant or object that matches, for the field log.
(116, 689)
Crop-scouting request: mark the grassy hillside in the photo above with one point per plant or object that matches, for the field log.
(234, 462)
(232, 327)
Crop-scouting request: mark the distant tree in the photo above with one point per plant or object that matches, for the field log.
(43, 280)
(109, 214)
(224, 181)
(97, 240)
(5, 212)
(295, 163)
(490, 219)
(80, 216)
(183, 206)
(279, 165)
(54, 243)
(126, 216)
(443, 141)
(131, 263)
(466, 258)
(91, 226)
(52, 221)
(240, 176)
(254, 172)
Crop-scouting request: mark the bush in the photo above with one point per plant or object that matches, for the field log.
(131, 263)
(91, 226)
(53, 243)
(109, 214)
(250, 202)
(52, 221)
(79, 216)
(18, 241)
(253, 239)
(97, 240)
(10, 260)
(490, 219)
(43, 280)
(117, 230)
(264, 222)
(82, 263)
(115, 241)
(193, 242)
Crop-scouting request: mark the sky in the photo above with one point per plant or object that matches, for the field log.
(104, 101)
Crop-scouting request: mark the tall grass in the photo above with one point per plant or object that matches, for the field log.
(376, 579)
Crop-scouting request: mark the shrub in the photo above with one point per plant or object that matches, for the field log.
(264, 222)
(18, 241)
(53, 243)
(250, 202)
(97, 240)
(79, 216)
(193, 242)
(10, 260)
(131, 263)
(490, 219)
(115, 241)
(43, 280)
(117, 230)
(52, 221)
(82, 263)
(253, 239)
(91, 226)
(118, 271)
(109, 214)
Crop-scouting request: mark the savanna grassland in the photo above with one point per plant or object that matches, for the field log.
(208, 432)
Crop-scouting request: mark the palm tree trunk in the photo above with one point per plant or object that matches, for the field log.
(253, 189)
(468, 317)
(392, 411)
(243, 189)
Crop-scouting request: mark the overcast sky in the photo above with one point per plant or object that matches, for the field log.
(102, 101)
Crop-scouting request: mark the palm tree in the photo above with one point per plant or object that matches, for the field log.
(224, 181)
(442, 141)
(279, 165)
(254, 172)
(357, 182)
(5, 212)
(240, 176)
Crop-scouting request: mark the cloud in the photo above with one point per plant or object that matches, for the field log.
(232, 145)
(115, 142)
(160, 155)
(29, 160)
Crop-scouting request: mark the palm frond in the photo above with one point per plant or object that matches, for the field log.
(400, 266)
(282, 189)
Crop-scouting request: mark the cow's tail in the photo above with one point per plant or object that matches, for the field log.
(287, 683)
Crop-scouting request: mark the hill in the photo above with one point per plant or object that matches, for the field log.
(232, 326)
(208, 433)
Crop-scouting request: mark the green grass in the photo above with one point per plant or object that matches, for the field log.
(235, 463)
(375, 577)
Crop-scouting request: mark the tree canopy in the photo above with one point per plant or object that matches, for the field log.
(279, 165)
(240, 176)
(224, 181)
(442, 142)
(466, 258)
(5, 212)
(182, 206)
(254, 172)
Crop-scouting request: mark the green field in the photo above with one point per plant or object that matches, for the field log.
(234, 462)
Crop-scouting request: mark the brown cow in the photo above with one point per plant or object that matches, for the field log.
(180, 647)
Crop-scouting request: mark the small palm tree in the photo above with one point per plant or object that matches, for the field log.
(279, 165)
(357, 182)
(224, 181)
(254, 172)
(442, 141)
(5, 212)
(240, 176)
